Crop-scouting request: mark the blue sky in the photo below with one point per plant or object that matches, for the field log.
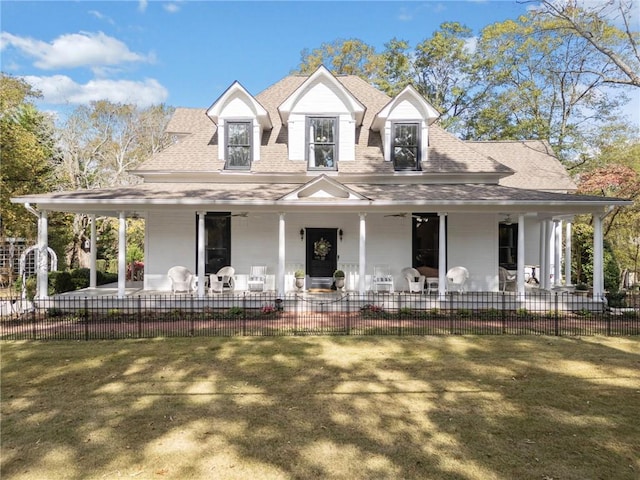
(186, 53)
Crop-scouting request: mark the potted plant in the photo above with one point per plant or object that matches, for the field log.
(338, 278)
(299, 276)
(581, 289)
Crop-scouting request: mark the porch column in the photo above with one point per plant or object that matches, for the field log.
(442, 255)
(122, 254)
(567, 254)
(42, 290)
(542, 274)
(557, 250)
(281, 255)
(362, 257)
(202, 278)
(547, 260)
(598, 260)
(520, 260)
(93, 254)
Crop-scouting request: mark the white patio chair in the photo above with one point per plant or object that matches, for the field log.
(257, 278)
(456, 278)
(505, 278)
(382, 278)
(414, 279)
(182, 280)
(222, 280)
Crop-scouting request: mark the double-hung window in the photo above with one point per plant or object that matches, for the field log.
(405, 148)
(238, 145)
(322, 143)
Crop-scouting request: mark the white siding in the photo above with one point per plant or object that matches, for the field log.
(321, 99)
(473, 243)
(170, 239)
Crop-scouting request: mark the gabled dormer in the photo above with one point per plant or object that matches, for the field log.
(404, 128)
(321, 117)
(241, 121)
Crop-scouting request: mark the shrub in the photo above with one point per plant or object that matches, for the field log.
(616, 299)
(299, 274)
(338, 274)
(80, 278)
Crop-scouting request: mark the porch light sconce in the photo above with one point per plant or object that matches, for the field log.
(301, 234)
(340, 234)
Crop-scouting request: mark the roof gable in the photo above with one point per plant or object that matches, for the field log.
(323, 188)
(324, 84)
(237, 102)
(408, 100)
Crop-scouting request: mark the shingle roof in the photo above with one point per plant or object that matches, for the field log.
(533, 161)
(249, 194)
(198, 151)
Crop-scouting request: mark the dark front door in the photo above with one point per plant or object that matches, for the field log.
(321, 252)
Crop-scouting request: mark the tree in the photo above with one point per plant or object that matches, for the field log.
(100, 143)
(544, 86)
(27, 149)
(616, 172)
(595, 23)
(341, 57)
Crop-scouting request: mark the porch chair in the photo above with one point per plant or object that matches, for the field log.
(382, 278)
(182, 280)
(505, 278)
(257, 278)
(456, 278)
(414, 279)
(222, 280)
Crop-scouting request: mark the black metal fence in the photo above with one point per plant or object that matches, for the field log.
(259, 314)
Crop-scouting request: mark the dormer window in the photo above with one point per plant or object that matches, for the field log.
(322, 143)
(405, 148)
(238, 146)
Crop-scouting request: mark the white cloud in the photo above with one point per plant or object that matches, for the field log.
(60, 90)
(74, 50)
(142, 5)
(101, 16)
(171, 7)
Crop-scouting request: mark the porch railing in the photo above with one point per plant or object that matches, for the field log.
(259, 314)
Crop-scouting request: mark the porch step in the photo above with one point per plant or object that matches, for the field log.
(320, 282)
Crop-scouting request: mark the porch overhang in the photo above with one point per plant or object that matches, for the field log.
(367, 198)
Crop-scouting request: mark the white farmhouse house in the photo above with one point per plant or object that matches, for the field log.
(325, 172)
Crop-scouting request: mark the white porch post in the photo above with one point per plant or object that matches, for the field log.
(362, 257)
(547, 260)
(598, 259)
(520, 260)
(122, 254)
(542, 274)
(557, 262)
(442, 255)
(201, 253)
(93, 254)
(567, 254)
(43, 256)
(281, 255)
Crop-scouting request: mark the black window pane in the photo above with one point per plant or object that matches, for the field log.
(238, 134)
(239, 156)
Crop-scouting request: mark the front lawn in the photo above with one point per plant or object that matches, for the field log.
(463, 408)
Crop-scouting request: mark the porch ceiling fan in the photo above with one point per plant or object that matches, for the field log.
(401, 215)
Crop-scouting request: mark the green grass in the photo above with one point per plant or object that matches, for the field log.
(462, 408)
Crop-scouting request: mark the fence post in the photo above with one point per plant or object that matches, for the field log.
(348, 315)
(556, 314)
(400, 319)
(503, 314)
(85, 314)
(244, 314)
(139, 316)
(191, 315)
(34, 319)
